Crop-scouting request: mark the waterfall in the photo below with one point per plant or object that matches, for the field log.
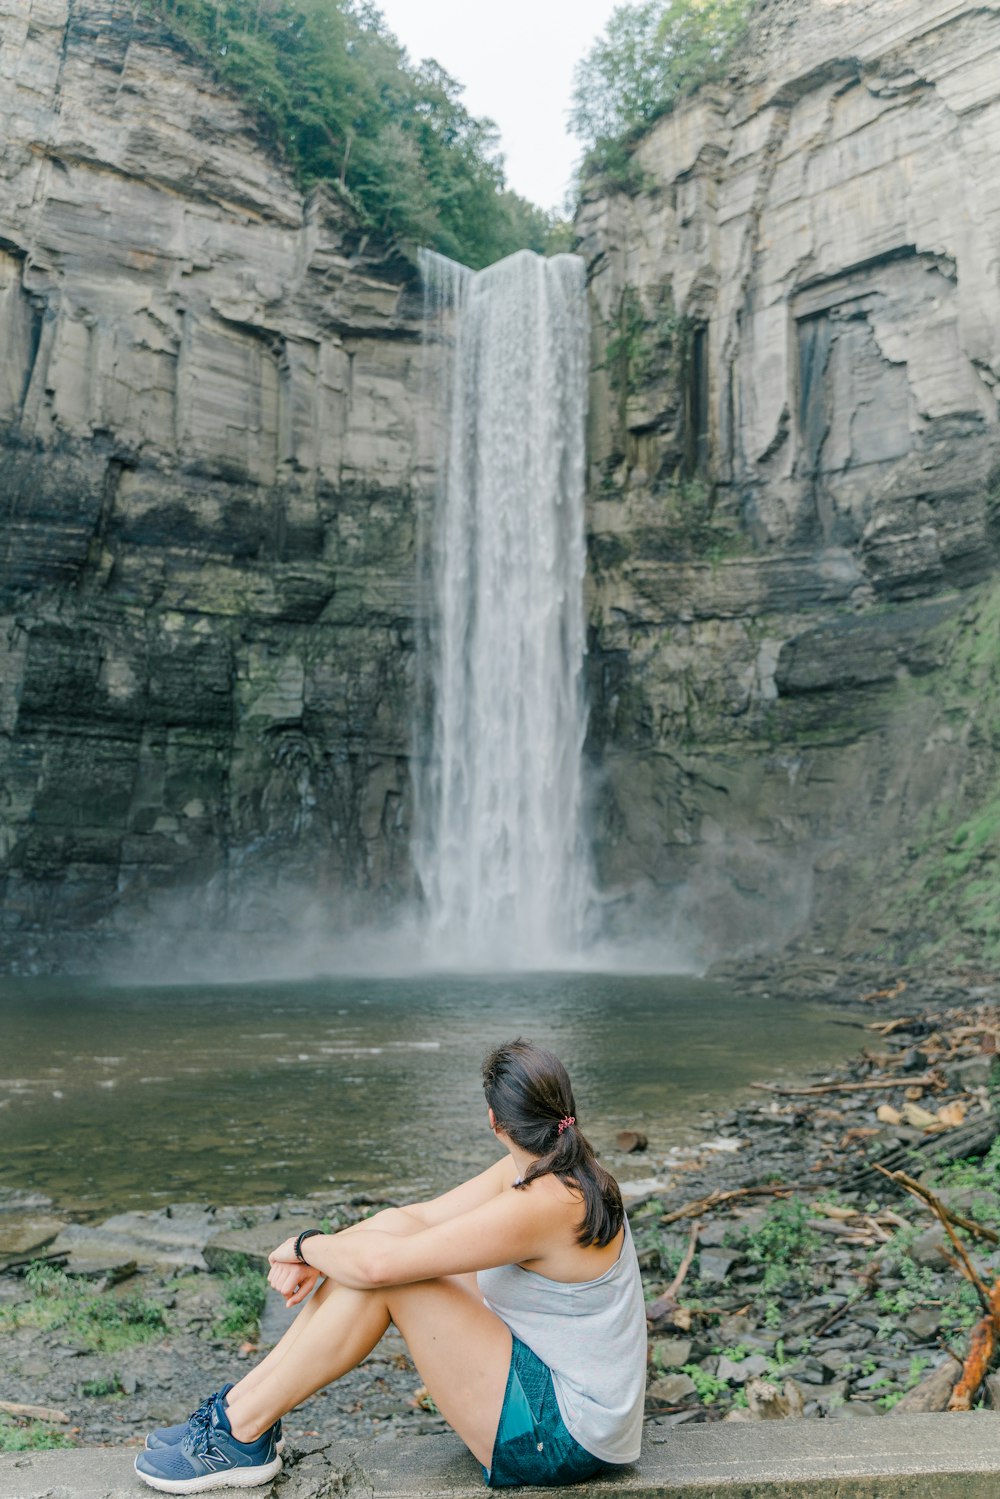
(499, 845)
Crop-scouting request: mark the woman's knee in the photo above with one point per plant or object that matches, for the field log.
(414, 1293)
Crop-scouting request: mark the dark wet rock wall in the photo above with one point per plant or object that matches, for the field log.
(208, 481)
(794, 478)
(214, 443)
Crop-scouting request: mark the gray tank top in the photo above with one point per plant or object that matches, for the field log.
(592, 1335)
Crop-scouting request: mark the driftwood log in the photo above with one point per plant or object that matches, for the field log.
(984, 1339)
(933, 1392)
(972, 1139)
(33, 1412)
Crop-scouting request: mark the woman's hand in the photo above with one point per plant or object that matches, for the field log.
(291, 1279)
(285, 1253)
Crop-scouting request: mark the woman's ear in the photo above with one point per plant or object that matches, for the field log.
(493, 1120)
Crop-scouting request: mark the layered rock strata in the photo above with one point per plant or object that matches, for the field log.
(208, 415)
(794, 478)
(212, 452)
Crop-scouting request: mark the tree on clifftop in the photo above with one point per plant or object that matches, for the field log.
(651, 55)
(347, 106)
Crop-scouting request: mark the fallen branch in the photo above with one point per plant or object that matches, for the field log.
(685, 1264)
(665, 1308)
(714, 1199)
(943, 1216)
(834, 1317)
(929, 1080)
(982, 1350)
(34, 1412)
(984, 1338)
(932, 1393)
(973, 1138)
(899, 987)
(978, 1230)
(887, 1027)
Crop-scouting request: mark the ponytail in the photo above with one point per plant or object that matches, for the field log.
(531, 1096)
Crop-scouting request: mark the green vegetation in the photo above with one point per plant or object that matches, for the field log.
(645, 345)
(102, 1321)
(918, 1363)
(29, 1436)
(657, 1250)
(957, 1308)
(977, 1176)
(707, 1386)
(690, 524)
(626, 354)
(244, 1295)
(652, 55)
(784, 1244)
(98, 1389)
(950, 892)
(778, 1365)
(335, 91)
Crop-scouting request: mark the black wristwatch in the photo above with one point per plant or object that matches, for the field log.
(306, 1233)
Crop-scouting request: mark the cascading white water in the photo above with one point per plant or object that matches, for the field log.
(499, 844)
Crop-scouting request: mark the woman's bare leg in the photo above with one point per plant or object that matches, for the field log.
(461, 1350)
(390, 1221)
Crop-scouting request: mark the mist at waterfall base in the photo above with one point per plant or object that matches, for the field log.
(500, 844)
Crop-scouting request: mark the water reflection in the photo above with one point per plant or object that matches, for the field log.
(130, 1097)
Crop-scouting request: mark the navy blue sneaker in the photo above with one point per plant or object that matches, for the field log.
(172, 1436)
(210, 1457)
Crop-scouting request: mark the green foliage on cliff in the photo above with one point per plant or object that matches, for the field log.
(651, 55)
(957, 862)
(937, 897)
(334, 88)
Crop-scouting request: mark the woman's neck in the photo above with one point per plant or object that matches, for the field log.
(522, 1160)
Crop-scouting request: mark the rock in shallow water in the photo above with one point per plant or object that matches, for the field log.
(22, 1237)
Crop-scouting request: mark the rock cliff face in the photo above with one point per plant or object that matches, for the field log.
(794, 462)
(208, 418)
(214, 442)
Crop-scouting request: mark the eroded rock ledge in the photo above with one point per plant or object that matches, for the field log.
(208, 448)
(794, 465)
(210, 460)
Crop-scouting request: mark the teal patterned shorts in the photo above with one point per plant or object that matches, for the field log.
(532, 1444)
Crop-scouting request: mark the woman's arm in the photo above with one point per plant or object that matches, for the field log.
(466, 1196)
(395, 1222)
(511, 1226)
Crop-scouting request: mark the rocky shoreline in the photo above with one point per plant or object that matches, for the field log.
(784, 1274)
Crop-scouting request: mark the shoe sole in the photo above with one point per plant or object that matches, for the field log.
(232, 1478)
(279, 1445)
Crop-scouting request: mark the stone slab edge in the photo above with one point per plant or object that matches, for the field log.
(905, 1457)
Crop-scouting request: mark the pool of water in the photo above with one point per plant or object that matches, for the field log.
(115, 1097)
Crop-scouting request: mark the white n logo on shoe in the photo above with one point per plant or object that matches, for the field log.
(213, 1458)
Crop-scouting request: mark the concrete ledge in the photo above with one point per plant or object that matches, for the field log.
(902, 1457)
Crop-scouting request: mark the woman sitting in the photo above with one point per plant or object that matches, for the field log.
(518, 1294)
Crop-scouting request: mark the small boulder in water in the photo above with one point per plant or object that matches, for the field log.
(631, 1141)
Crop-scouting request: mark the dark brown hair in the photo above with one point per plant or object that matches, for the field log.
(529, 1091)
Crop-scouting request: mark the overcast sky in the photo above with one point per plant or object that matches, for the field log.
(516, 61)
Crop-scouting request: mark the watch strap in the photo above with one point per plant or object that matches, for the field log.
(307, 1233)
